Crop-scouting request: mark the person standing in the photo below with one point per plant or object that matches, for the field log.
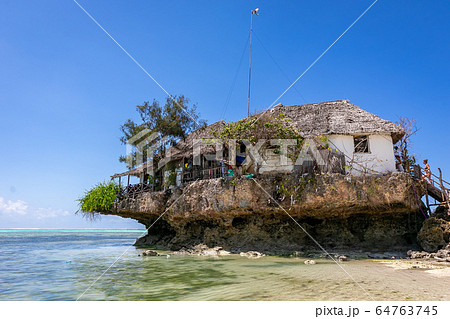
(426, 172)
(398, 164)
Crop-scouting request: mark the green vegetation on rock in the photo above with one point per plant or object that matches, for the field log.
(264, 127)
(98, 199)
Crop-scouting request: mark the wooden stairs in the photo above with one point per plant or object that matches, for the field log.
(435, 193)
(439, 190)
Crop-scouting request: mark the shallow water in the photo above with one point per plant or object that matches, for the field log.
(56, 265)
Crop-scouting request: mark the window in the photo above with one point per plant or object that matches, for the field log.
(361, 144)
(242, 148)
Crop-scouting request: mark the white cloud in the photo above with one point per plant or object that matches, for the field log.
(21, 208)
(10, 207)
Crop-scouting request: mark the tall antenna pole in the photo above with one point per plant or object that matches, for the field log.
(250, 62)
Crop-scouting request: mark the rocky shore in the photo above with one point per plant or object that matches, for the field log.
(369, 213)
(434, 238)
(442, 255)
(204, 251)
(374, 216)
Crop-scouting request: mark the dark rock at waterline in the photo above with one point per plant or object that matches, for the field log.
(419, 254)
(444, 253)
(203, 250)
(434, 234)
(150, 253)
(442, 213)
(440, 255)
(252, 254)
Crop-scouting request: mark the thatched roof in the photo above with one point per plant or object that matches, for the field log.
(325, 118)
(184, 147)
(336, 117)
(133, 172)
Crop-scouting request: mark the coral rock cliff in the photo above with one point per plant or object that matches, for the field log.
(339, 212)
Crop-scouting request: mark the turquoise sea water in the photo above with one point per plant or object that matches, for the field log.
(61, 265)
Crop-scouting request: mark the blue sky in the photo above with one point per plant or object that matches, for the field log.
(65, 87)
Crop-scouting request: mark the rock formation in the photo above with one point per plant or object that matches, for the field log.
(435, 232)
(372, 213)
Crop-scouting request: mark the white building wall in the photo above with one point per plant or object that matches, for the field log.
(343, 143)
(380, 158)
(275, 163)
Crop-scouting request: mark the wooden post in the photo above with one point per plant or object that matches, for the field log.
(128, 184)
(448, 200)
(444, 194)
(202, 169)
(447, 193)
(417, 171)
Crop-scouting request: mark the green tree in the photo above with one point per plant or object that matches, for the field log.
(404, 145)
(173, 121)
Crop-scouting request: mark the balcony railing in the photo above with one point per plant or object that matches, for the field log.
(193, 174)
(132, 191)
